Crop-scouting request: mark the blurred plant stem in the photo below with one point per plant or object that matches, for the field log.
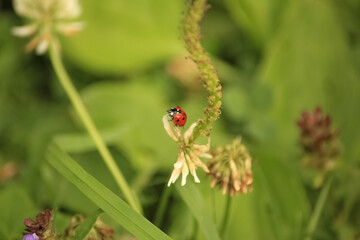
(226, 216)
(164, 200)
(318, 209)
(81, 110)
(195, 231)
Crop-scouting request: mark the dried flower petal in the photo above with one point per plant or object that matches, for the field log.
(70, 29)
(24, 31)
(105, 232)
(189, 132)
(192, 169)
(168, 128)
(42, 226)
(174, 175)
(185, 172)
(42, 46)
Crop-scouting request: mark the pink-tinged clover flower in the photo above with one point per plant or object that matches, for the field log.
(230, 168)
(47, 18)
(189, 153)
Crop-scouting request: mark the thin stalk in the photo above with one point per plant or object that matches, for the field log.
(226, 216)
(213, 202)
(81, 110)
(208, 73)
(318, 209)
(195, 231)
(160, 212)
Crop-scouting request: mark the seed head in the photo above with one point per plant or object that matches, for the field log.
(230, 168)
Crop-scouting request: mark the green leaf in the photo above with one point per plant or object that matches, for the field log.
(242, 222)
(260, 18)
(309, 64)
(145, 141)
(16, 205)
(236, 102)
(85, 227)
(122, 36)
(196, 204)
(280, 214)
(82, 142)
(116, 208)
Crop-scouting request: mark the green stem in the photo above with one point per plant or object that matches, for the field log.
(195, 231)
(80, 108)
(226, 216)
(208, 74)
(318, 209)
(159, 216)
(213, 202)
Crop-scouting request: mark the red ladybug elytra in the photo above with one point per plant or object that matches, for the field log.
(177, 115)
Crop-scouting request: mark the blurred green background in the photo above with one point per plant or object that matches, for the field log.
(275, 59)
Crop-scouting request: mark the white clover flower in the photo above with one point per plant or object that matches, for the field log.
(189, 154)
(48, 17)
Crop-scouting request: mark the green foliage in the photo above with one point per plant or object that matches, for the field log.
(309, 65)
(102, 197)
(141, 107)
(125, 36)
(84, 228)
(274, 59)
(18, 207)
(194, 201)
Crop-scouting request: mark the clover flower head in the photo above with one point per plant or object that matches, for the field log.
(230, 168)
(48, 17)
(189, 152)
(318, 139)
(32, 236)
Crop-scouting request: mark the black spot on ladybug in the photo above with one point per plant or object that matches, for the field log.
(177, 120)
(183, 118)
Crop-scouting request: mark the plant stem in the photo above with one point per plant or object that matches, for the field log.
(195, 231)
(318, 209)
(226, 216)
(208, 73)
(81, 110)
(159, 215)
(213, 202)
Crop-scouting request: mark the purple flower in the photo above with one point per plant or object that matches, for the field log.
(32, 236)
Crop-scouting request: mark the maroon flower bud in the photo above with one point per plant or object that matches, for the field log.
(318, 140)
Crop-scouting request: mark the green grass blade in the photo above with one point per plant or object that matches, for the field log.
(115, 207)
(196, 203)
(84, 228)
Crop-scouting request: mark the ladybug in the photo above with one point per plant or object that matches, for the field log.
(177, 115)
